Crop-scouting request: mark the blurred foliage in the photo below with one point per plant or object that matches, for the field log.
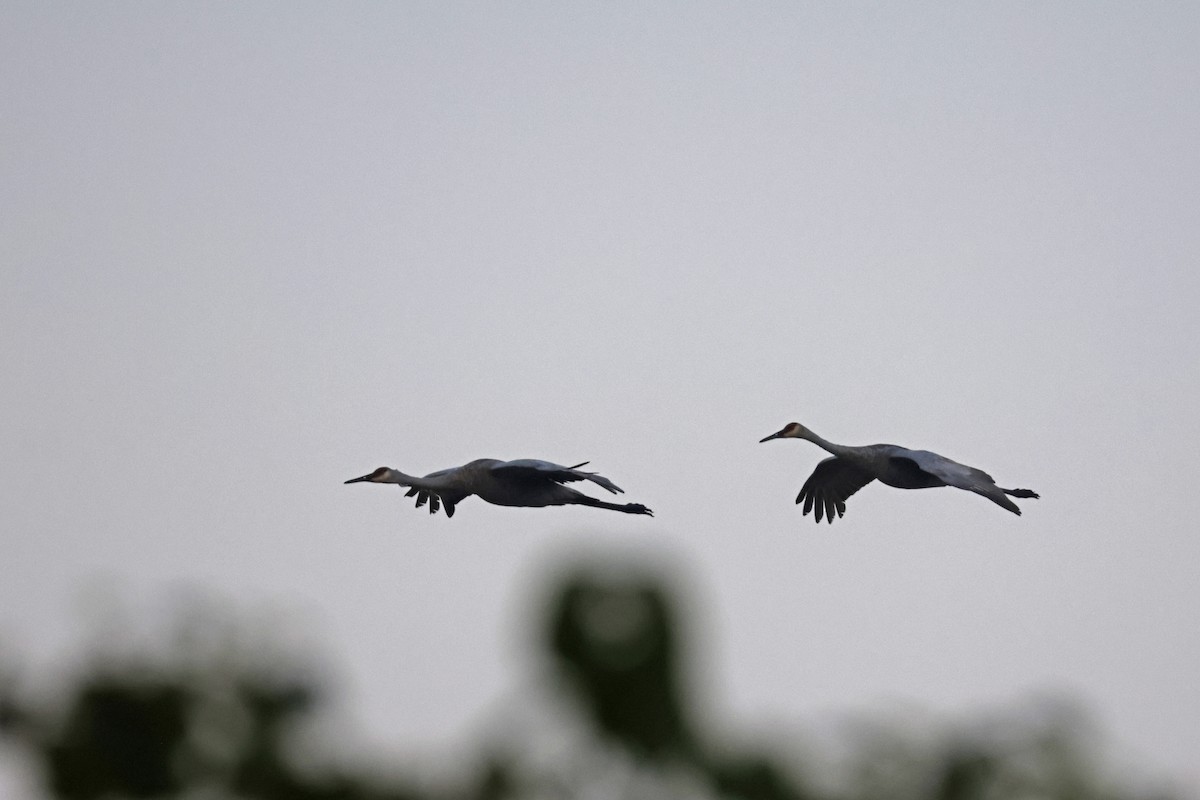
(149, 732)
(215, 728)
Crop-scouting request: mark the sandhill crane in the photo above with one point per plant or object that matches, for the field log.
(524, 482)
(852, 468)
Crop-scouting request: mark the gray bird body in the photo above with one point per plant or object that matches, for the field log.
(525, 482)
(851, 468)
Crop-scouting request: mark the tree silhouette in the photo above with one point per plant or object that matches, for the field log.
(205, 726)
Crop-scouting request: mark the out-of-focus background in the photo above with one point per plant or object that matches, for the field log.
(249, 252)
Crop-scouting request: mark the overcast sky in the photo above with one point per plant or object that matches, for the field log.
(250, 251)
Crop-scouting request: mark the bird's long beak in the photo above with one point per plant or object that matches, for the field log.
(772, 436)
(360, 480)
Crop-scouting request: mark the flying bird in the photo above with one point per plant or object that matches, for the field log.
(852, 468)
(524, 482)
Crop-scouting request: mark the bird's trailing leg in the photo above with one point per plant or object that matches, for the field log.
(997, 495)
(999, 499)
(625, 508)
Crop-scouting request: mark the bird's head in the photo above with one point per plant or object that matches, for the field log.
(793, 430)
(377, 476)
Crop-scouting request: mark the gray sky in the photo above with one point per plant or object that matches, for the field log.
(250, 252)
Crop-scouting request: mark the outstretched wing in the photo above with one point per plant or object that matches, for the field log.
(950, 472)
(831, 483)
(974, 480)
(532, 469)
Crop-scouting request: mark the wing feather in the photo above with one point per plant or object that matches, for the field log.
(961, 476)
(950, 472)
(532, 469)
(445, 499)
(832, 482)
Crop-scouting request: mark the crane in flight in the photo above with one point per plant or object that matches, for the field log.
(852, 468)
(524, 482)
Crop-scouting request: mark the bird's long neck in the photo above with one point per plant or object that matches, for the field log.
(828, 446)
(434, 481)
